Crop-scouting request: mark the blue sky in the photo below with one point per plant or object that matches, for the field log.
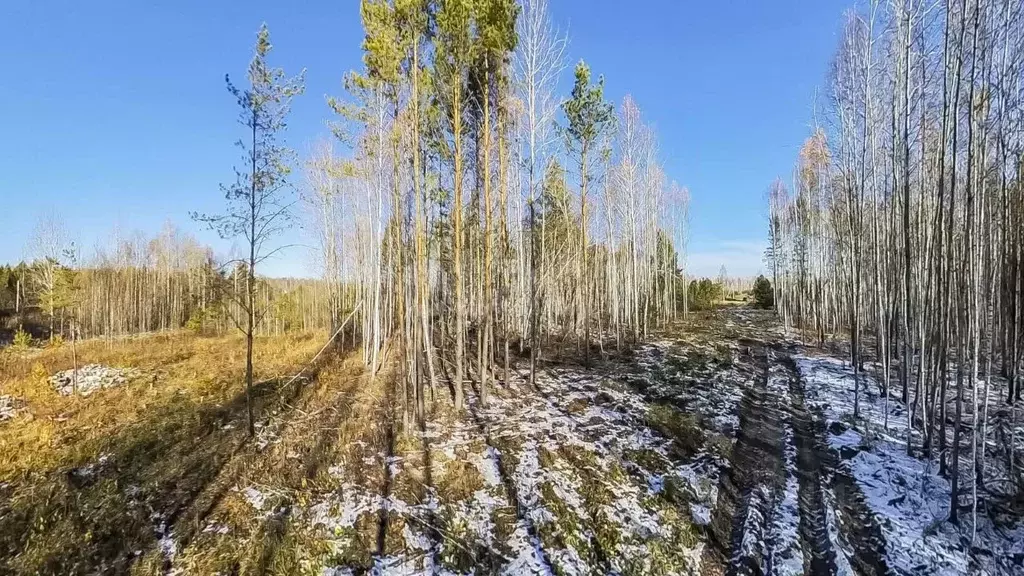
(114, 113)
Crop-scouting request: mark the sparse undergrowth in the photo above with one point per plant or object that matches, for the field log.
(685, 457)
(87, 482)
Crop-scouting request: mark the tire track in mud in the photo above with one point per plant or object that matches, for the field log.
(750, 489)
(819, 556)
(859, 526)
(836, 531)
(821, 471)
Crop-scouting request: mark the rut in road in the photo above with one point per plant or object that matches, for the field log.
(748, 493)
(820, 469)
(808, 432)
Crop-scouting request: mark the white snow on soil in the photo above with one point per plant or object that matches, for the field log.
(785, 554)
(268, 433)
(342, 509)
(753, 543)
(605, 424)
(90, 378)
(907, 496)
(8, 407)
(529, 556)
(487, 465)
(579, 431)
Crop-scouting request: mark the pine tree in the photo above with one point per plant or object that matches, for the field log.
(496, 38)
(258, 202)
(588, 117)
(453, 53)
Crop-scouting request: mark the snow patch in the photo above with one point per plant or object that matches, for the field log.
(529, 557)
(90, 378)
(341, 511)
(906, 495)
(9, 407)
(487, 464)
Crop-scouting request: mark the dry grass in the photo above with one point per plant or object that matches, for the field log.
(153, 445)
(335, 443)
(684, 429)
(169, 455)
(234, 537)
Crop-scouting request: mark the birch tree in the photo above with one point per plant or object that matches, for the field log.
(539, 61)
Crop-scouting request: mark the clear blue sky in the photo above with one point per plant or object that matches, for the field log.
(114, 113)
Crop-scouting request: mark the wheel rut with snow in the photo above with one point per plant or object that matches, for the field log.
(748, 493)
(825, 479)
(818, 553)
(859, 525)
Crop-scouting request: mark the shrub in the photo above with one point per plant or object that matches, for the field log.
(763, 296)
(39, 373)
(205, 321)
(22, 339)
(195, 321)
(286, 310)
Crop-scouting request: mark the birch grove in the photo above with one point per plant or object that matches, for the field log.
(493, 219)
(472, 220)
(902, 229)
(133, 283)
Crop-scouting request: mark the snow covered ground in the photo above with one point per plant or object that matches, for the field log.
(728, 449)
(906, 495)
(90, 378)
(567, 480)
(8, 407)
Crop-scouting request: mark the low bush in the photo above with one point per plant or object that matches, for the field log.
(22, 339)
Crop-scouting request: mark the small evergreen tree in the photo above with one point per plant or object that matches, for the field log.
(763, 295)
(588, 118)
(259, 206)
(704, 294)
(7, 287)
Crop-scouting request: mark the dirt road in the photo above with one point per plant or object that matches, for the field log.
(786, 504)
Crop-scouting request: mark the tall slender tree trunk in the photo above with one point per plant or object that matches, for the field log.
(460, 311)
(582, 277)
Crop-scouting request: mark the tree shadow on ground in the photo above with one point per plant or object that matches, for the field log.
(128, 489)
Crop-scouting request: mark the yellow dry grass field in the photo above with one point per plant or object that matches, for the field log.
(90, 483)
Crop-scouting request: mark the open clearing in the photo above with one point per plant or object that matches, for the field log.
(720, 447)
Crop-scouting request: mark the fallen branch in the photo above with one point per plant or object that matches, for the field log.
(329, 341)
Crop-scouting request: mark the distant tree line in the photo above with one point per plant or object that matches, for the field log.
(147, 284)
